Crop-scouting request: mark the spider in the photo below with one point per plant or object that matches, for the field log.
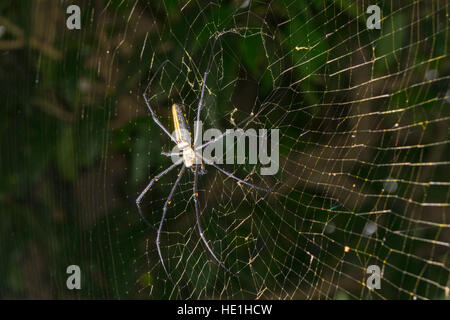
(190, 159)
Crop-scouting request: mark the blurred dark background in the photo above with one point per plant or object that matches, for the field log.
(78, 145)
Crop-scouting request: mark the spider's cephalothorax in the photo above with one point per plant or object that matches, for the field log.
(183, 137)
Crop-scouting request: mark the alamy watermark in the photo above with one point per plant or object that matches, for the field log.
(234, 146)
(374, 280)
(74, 280)
(74, 19)
(374, 20)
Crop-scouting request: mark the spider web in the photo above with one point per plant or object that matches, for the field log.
(363, 118)
(363, 173)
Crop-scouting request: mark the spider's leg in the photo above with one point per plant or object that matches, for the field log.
(169, 154)
(200, 229)
(156, 178)
(236, 178)
(158, 235)
(202, 93)
(226, 133)
(151, 109)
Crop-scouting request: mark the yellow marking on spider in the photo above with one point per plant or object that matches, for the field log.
(176, 123)
(182, 136)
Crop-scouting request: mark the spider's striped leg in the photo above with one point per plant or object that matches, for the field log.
(170, 154)
(202, 93)
(138, 200)
(200, 229)
(156, 178)
(150, 108)
(158, 235)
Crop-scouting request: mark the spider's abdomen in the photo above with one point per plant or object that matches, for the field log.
(182, 132)
(183, 135)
